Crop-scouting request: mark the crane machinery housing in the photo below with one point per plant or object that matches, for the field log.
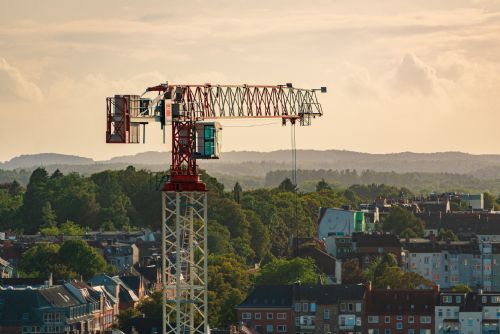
(193, 111)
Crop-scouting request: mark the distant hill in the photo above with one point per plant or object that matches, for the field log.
(44, 159)
(258, 164)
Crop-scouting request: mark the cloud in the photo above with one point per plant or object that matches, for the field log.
(14, 86)
(414, 76)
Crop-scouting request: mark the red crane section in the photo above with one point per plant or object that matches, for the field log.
(189, 107)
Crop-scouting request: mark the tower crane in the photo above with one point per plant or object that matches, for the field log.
(193, 111)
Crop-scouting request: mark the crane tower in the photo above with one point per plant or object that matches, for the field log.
(193, 111)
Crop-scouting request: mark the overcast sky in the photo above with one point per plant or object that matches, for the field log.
(420, 76)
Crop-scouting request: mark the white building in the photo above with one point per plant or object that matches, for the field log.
(467, 313)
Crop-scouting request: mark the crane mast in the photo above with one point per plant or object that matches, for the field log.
(193, 111)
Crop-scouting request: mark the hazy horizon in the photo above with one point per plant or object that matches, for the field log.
(402, 76)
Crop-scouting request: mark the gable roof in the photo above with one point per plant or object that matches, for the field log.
(269, 296)
(15, 303)
(376, 240)
(381, 301)
(329, 294)
(59, 296)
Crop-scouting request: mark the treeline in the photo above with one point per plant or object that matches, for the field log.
(416, 182)
(251, 224)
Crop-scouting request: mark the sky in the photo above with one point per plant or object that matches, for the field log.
(402, 75)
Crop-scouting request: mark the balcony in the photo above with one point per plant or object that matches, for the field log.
(306, 327)
(347, 327)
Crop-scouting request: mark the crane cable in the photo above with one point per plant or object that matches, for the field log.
(294, 181)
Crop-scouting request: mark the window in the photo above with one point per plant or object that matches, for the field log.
(269, 316)
(373, 319)
(387, 331)
(373, 331)
(399, 317)
(26, 329)
(426, 260)
(313, 307)
(411, 319)
(399, 325)
(440, 313)
(411, 331)
(246, 315)
(350, 307)
(297, 321)
(305, 307)
(258, 328)
(326, 314)
(458, 299)
(387, 319)
(495, 299)
(425, 319)
(281, 328)
(425, 331)
(281, 316)
(447, 299)
(342, 306)
(269, 328)
(297, 307)
(257, 316)
(358, 307)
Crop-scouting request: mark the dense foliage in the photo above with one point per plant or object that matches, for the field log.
(69, 260)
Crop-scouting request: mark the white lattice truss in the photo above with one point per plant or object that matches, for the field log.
(184, 240)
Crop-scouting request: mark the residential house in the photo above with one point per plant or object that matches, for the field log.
(464, 313)
(393, 311)
(304, 309)
(448, 263)
(328, 308)
(121, 255)
(116, 288)
(46, 310)
(268, 309)
(6, 270)
(334, 222)
(369, 246)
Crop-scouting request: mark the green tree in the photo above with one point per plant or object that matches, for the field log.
(151, 306)
(48, 216)
(322, 185)
(282, 271)
(218, 238)
(34, 200)
(447, 235)
(463, 288)
(237, 190)
(42, 260)
(71, 228)
(490, 201)
(81, 258)
(352, 273)
(400, 219)
(228, 283)
(259, 233)
(15, 189)
(287, 185)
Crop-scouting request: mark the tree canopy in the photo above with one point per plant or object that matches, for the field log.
(283, 271)
(400, 219)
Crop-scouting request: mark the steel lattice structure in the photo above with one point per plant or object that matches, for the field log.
(184, 235)
(184, 196)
